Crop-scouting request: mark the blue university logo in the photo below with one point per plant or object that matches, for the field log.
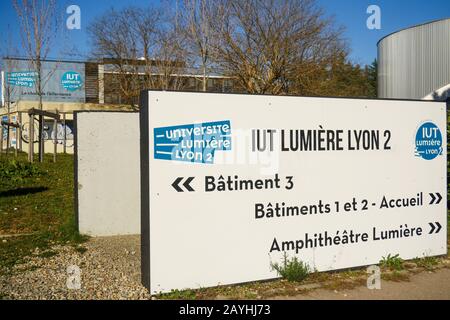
(196, 143)
(428, 141)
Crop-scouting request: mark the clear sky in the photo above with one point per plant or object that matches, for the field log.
(395, 15)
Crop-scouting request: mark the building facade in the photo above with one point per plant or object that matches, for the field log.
(68, 86)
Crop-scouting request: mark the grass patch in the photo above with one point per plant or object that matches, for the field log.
(396, 276)
(178, 295)
(15, 250)
(338, 284)
(428, 263)
(248, 291)
(35, 199)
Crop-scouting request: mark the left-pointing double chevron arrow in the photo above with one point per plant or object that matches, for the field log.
(186, 184)
(435, 229)
(435, 198)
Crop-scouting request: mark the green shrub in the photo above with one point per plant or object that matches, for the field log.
(392, 262)
(16, 171)
(291, 269)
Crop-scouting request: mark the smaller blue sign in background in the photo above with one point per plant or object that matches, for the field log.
(71, 81)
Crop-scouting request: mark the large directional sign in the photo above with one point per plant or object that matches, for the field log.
(231, 183)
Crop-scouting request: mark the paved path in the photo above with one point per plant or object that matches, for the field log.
(422, 286)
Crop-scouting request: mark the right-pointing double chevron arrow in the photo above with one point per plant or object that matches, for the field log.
(186, 184)
(435, 229)
(435, 198)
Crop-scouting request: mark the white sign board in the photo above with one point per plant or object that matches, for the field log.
(231, 182)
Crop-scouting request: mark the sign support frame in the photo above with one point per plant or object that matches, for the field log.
(145, 189)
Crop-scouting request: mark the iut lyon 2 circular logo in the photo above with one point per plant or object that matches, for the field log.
(71, 81)
(428, 141)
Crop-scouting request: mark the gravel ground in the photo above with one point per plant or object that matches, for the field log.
(110, 269)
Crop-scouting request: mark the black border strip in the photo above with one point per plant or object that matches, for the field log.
(446, 167)
(75, 171)
(145, 189)
(104, 111)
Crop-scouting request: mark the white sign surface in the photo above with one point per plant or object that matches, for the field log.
(231, 182)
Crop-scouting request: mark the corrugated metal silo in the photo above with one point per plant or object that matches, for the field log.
(414, 62)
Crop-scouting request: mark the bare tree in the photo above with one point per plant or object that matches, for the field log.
(273, 46)
(9, 65)
(264, 46)
(38, 20)
(166, 58)
(170, 54)
(196, 20)
(115, 42)
(143, 47)
(10, 90)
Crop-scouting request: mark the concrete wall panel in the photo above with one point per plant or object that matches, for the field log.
(108, 173)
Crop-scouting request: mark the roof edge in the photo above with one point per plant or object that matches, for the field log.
(411, 27)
